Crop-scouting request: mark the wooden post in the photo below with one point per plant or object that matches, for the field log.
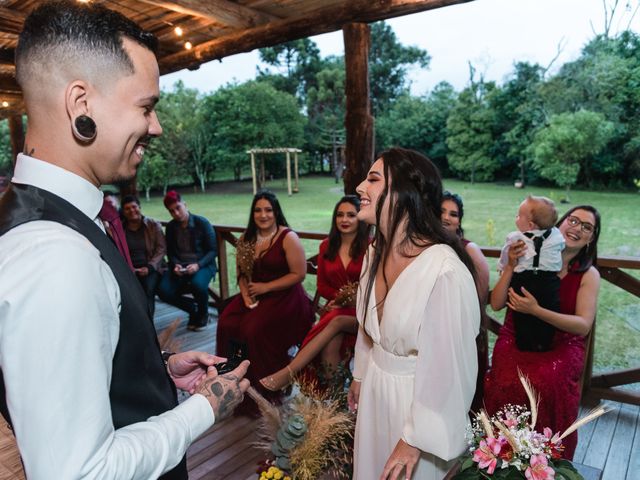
(253, 172)
(16, 132)
(359, 123)
(263, 178)
(223, 267)
(295, 171)
(289, 173)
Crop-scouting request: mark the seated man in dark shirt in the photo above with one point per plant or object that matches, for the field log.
(147, 247)
(192, 252)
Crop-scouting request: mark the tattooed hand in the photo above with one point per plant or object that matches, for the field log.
(225, 392)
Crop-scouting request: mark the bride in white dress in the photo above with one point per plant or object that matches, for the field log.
(418, 313)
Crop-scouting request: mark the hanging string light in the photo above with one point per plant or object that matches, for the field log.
(177, 29)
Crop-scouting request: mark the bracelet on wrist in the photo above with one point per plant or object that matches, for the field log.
(166, 356)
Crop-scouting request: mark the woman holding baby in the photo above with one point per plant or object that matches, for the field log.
(556, 372)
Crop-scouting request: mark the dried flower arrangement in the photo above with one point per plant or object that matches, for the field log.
(309, 437)
(245, 258)
(245, 252)
(346, 296)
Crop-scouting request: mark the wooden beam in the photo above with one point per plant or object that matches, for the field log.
(621, 279)
(321, 20)
(218, 11)
(617, 378)
(615, 394)
(358, 120)
(8, 84)
(11, 21)
(7, 69)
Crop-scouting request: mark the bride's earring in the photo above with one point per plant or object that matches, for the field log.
(84, 128)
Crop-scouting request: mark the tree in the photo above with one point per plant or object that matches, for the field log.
(563, 150)
(419, 123)
(179, 117)
(519, 112)
(389, 61)
(470, 132)
(250, 115)
(604, 79)
(152, 173)
(202, 157)
(298, 62)
(326, 110)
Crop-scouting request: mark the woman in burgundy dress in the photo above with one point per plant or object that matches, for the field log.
(555, 374)
(452, 213)
(272, 311)
(332, 339)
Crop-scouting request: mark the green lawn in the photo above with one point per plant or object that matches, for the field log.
(489, 215)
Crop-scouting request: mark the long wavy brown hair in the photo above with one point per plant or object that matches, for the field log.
(415, 194)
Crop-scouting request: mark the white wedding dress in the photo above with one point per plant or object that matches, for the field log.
(418, 365)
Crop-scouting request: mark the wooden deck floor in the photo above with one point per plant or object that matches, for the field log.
(610, 444)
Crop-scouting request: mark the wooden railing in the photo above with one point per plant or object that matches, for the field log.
(599, 386)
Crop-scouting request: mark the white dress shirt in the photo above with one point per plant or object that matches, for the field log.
(59, 327)
(550, 252)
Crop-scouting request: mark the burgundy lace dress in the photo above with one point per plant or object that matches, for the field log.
(555, 374)
(281, 319)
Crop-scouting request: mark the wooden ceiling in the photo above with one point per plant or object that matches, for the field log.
(215, 28)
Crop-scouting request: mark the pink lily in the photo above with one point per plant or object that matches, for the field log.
(539, 469)
(486, 454)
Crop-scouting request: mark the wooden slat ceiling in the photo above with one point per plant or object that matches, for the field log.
(215, 28)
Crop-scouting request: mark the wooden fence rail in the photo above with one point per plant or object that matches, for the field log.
(599, 386)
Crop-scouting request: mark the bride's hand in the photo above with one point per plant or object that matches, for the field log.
(403, 457)
(353, 396)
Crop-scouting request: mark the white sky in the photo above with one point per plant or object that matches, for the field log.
(492, 34)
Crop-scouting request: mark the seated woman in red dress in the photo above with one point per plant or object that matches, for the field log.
(332, 339)
(555, 374)
(272, 311)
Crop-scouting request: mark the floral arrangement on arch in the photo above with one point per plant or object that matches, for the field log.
(308, 438)
(507, 446)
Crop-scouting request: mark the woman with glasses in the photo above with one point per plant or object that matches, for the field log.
(555, 374)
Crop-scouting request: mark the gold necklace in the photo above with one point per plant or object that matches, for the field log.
(264, 239)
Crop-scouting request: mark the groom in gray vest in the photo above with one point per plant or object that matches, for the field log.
(83, 381)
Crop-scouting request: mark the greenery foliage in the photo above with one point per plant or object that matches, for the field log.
(576, 127)
(5, 148)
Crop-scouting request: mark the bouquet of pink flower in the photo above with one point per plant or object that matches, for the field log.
(507, 446)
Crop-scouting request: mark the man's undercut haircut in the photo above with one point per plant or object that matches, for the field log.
(67, 36)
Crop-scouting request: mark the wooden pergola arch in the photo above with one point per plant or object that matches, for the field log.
(214, 29)
(261, 179)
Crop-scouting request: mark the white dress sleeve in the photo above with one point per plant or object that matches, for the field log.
(446, 367)
(361, 355)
